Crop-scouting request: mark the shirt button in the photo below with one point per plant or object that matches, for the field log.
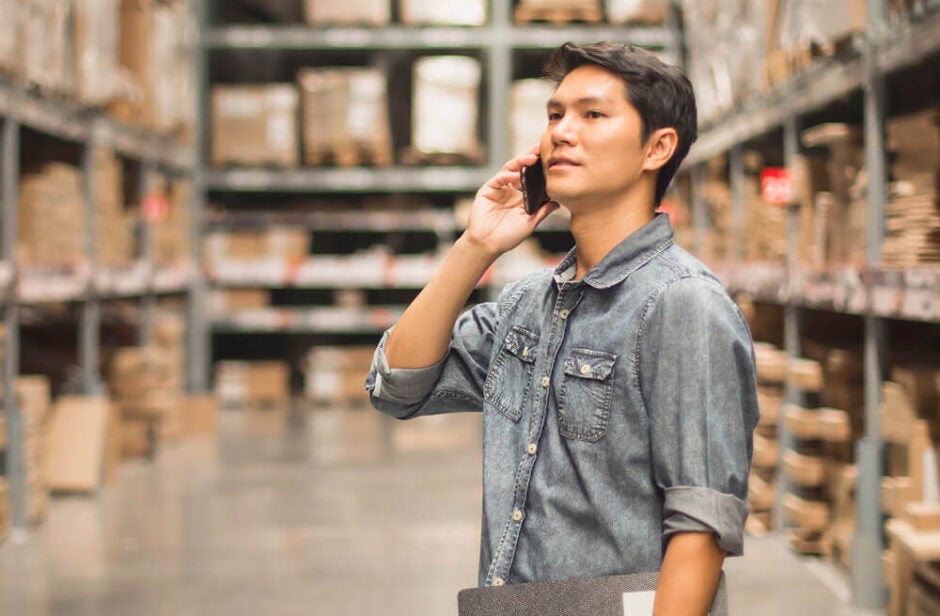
(517, 515)
(545, 381)
(585, 369)
(532, 448)
(498, 581)
(564, 313)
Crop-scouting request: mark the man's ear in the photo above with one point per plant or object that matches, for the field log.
(660, 147)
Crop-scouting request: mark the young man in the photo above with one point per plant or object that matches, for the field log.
(618, 391)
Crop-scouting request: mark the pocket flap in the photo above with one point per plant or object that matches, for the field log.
(588, 364)
(522, 343)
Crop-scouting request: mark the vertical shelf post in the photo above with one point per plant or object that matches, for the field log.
(89, 334)
(738, 205)
(867, 544)
(499, 83)
(9, 191)
(198, 335)
(148, 301)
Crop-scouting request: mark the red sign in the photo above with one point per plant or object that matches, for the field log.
(156, 207)
(776, 186)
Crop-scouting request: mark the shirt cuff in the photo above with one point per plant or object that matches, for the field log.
(401, 385)
(693, 509)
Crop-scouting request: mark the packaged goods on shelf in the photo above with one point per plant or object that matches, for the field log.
(47, 44)
(80, 436)
(171, 245)
(336, 375)
(9, 35)
(836, 221)
(51, 198)
(558, 11)
(913, 214)
(766, 225)
(528, 115)
(115, 241)
(444, 12)
(255, 125)
(350, 12)
(446, 106)
(345, 116)
(224, 301)
(282, 243)
(97, 38)
(247, 383)
(653, 12)
(717, 193)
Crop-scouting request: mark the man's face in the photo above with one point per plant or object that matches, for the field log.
(592, 148)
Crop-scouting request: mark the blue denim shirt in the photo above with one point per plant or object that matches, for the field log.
(617, 410)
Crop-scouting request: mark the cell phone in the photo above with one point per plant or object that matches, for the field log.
(534, 194)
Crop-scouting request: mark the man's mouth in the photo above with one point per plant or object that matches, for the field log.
(561, 161)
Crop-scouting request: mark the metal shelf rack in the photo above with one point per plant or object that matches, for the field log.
(873, 291)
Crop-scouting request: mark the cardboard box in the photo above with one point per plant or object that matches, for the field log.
(9, 35)
(345, 116)
(255, 125)
(47, 45)
(78, 442)
(199, 415)
(51, 198)
(224, 301)
(239, 383)
(652, 12)
(446, 105)
(444, 12)
(368, 12)
(97, 46)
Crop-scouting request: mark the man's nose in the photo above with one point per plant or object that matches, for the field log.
(564, 130)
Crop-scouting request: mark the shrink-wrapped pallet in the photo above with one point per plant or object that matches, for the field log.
(529, 118)
(365, 12)
(97, 38)
(444, 12)
(254, 125)
(446, 105)
(345, 116)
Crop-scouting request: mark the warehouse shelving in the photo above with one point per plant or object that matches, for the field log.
(497, 44)
(26, 109)
(873, 291)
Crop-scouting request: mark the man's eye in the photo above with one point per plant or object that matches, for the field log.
(552, 117)
(594, 114)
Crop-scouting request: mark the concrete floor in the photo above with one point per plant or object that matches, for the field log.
(321, 513)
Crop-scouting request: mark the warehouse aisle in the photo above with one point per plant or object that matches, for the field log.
(330, 513)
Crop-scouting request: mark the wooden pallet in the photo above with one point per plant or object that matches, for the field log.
(350, 155)
(558, 15)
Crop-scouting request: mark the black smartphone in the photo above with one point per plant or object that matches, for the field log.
(533, 187)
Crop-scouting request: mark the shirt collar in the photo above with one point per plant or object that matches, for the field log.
(625, 258)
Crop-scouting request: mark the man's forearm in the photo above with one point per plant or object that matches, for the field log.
(689, 575)
(422, 335)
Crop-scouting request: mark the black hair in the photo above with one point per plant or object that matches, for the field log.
(661, 93)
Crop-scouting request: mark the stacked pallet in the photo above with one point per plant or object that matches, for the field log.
(35, 403)
(51, 198)
(913, 215)
(252, 383)
(834, 226)
(345, 116)
(771, 376)
(146, 390)
(819, 504)
(255, 125)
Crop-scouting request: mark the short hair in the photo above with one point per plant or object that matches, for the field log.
(661, 93)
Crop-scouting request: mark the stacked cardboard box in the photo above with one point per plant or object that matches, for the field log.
(528, 115)
(97, 38)
(226, 301)
(146, 391)
(446, 107)
(771, 374)
(766, 225)
(169, 336)
(717, 193)
(47, 44)
(558, 11)
(155, 41)
(273, 243)
(115, 242)
(913, 215)
(255, 125)
(335, 376)
(250, 383)
(652, 12)
(345, 116)
(9, 35)
(51, 198)
(444, 12)
(35, 401)
(81, 456)
(837, 220)
(171, 234)
(366, 12)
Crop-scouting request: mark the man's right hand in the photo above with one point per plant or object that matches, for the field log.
(498, 220)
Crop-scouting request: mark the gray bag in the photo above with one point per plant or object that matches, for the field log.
(600, 596)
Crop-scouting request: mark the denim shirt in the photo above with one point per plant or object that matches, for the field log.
(617, 410)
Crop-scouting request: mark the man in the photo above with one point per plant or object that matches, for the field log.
(618, 391)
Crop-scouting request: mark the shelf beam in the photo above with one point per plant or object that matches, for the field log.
(391, 179)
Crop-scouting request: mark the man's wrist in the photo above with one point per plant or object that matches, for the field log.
(476, 248)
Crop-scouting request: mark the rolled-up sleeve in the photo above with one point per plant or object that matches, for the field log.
(696, 372)
(453, 384)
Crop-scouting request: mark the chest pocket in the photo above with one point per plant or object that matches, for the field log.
(508, 382)
(585, 397)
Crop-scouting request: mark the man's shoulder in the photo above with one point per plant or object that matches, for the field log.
(675, 264)
(514, 291)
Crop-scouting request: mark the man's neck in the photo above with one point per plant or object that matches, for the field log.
(598, 231)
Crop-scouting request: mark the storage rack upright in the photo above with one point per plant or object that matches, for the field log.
(887, 48)
(86, 287)
(498, 43)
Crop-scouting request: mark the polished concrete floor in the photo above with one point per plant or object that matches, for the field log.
(311, 512)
